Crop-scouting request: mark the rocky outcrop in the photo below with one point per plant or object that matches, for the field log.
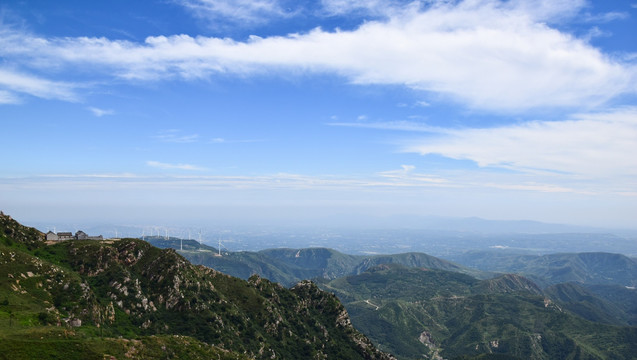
(129, 287)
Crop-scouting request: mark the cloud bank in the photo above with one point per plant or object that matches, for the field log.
(498, 56)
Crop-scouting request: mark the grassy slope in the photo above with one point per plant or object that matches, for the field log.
(36, 295)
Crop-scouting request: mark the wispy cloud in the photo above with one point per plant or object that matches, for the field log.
(407, 178)
(245, 12)
(392, 192)
(100, 112)
(92, 176)
(233, 141)
(546, 188)
(167, 166)
(369, 7)
(605, 17)
(399, 125)
(593, 145)
(485, 54)
(12, 82)
(175, 136)
(7, 97)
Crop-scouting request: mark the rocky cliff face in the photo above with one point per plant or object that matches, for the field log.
(130, 288)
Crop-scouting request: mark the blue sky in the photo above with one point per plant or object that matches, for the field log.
(275, 111)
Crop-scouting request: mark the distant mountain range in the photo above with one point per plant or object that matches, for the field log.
(586, 268)
(288, 266)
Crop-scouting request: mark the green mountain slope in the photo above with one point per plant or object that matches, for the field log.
(420, 313)
(80, 297)
(621, 297)
(585, 303)
(586, 268)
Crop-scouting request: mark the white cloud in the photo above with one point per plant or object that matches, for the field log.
(403, 179)
(13, 81)
(167, 166)
(486, 54)
(226, 141)
(595, 32)
(100, 112)
(407, 176)
(595, 145)
(405, 170)
(245, 12)
(93, 176)
(175, 136)
(399, 125)
(606, 17)
(550, 11)
(7, 97)
(371, 7)
(547, 188)
(189, 196)
(540, 10)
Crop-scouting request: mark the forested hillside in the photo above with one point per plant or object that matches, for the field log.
(420, 313)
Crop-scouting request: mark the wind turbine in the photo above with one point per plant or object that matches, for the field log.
(220, 245)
